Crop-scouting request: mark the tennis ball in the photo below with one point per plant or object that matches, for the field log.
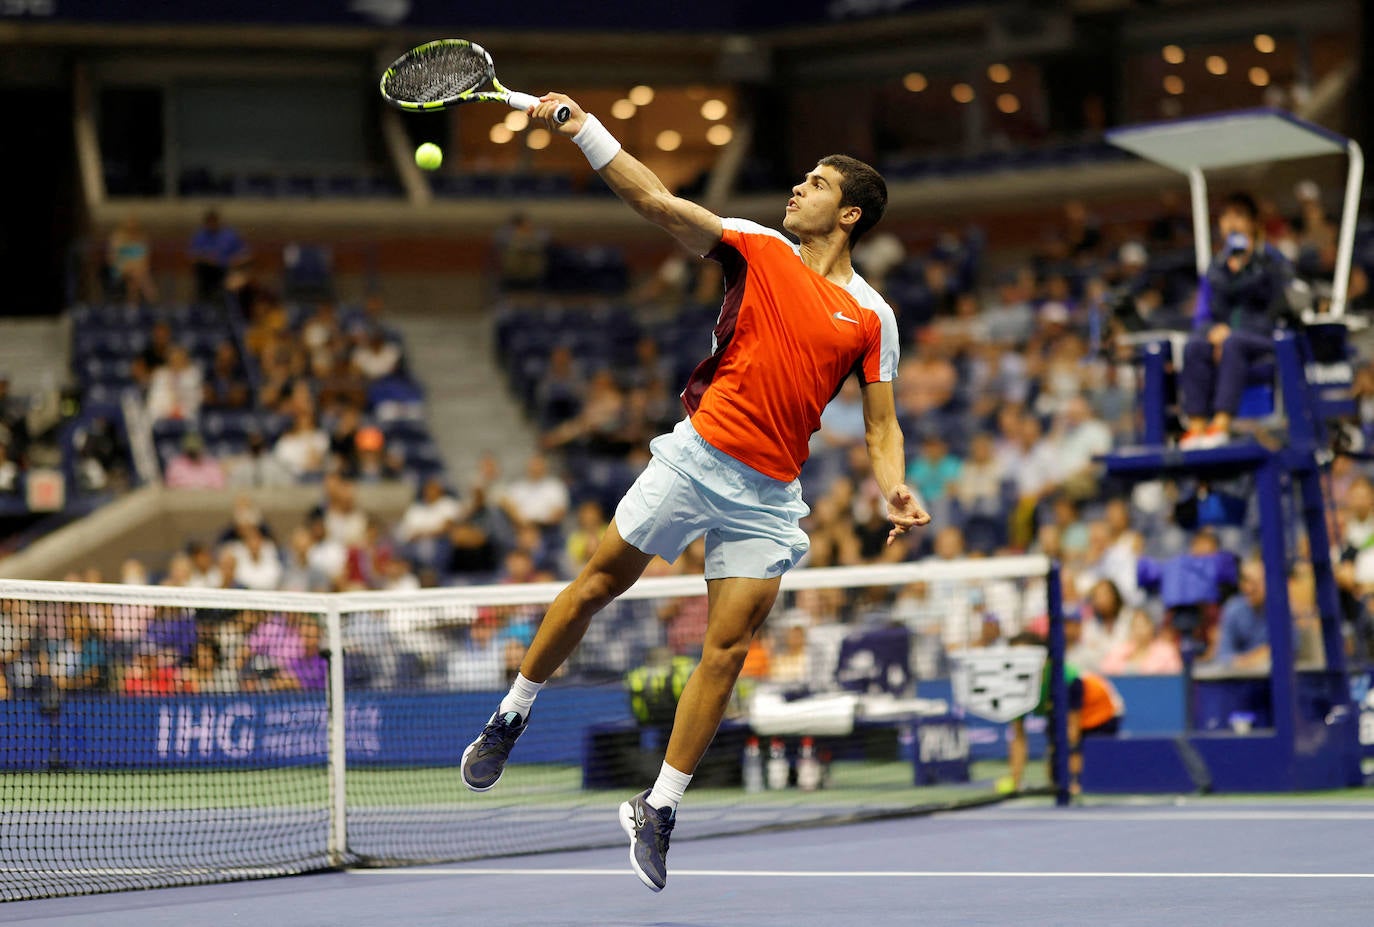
(429, 156)
(1006, 785)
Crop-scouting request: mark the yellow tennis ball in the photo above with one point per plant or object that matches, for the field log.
(1006, 785)
(429, 156)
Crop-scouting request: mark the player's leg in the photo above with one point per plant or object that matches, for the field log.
(1197, 382)
(1239, 353)
(736, 610)
(614, 567)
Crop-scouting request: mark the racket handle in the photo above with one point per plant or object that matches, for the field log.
(523, 101)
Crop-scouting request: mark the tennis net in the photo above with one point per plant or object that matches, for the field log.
(155, 736)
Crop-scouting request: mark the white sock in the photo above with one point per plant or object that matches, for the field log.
(668, 789)
(521, 696)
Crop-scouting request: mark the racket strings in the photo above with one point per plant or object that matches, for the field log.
(441, 74)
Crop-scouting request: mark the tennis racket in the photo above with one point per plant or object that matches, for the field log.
(449, 72)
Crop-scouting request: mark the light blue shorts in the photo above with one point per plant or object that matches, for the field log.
(751, 521)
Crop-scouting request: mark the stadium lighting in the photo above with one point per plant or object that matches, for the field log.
(623, 109)
(1216, 65)
(720, 134)
(641, 95)
(1008, 103)
(915, 82)
(1264, 44)
(501, 133)
(1173, 84)
(714, 109)
(962, 93)
(999, 73)
(517, 121)
(1173, 54)
(539, 139)
(668, 140)
(1259, 77)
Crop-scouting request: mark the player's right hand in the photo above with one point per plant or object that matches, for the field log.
(549, 103)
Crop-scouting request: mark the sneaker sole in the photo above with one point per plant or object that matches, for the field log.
(627, 824)
(463, 766)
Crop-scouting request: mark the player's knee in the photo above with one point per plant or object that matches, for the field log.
(724, 660)
(595, 588)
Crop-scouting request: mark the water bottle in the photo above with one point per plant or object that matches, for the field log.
(778, 767)
(753, 766)
(808, 766)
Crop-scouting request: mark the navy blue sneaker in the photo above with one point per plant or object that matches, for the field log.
(649, 829)
(485, 758)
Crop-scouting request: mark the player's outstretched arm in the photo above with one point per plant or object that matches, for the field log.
(696, 227)
(887, 453)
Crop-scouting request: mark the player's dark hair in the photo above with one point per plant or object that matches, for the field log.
(861, 186)
(1243, 203)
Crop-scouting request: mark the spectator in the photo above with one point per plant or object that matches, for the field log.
(344, 521)
(1145, 652)
(430, 515)
(590, 525)
(521, 253)
(256, 467)
(374, 462)
(540, 498)
(193, 468)
(1243, 298)
(154, 354)
(257, 565)
(375, 356)
(1104, 626)
(175, 390)
(209, 673)
(790, 663)
(9, 472)
(327, 557)
(935, 471)
(302, 450)
(1079, 438)
(226, 387)
(216, 251)
(130, 268)
(101, 456)
(478, 663)
(978, 488)
(1243, 634)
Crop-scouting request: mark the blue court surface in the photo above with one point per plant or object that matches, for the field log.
(1022, 864)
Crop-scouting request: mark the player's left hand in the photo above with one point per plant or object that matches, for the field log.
(904, 512)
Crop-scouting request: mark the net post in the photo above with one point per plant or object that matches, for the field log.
(337, 846)
(1059, 690)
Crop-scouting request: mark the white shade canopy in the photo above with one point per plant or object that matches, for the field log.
(1227, 140)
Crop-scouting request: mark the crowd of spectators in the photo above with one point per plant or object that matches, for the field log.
(1007, 394)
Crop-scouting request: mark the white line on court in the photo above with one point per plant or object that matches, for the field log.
(1071, 815)
(866, 874)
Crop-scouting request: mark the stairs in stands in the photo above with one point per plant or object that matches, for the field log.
(468, 407)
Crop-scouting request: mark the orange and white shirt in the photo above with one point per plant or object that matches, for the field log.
(785, 341)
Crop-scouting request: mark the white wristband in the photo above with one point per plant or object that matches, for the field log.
(596, 142)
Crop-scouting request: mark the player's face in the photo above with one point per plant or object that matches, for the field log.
(814, 207)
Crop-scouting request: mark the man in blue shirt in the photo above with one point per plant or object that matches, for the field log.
(1243, 633)
(1240, 302)
(215, 249)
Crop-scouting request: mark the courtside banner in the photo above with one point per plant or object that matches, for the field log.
(256, 731)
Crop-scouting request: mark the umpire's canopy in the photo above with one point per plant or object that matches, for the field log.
(1237, 138)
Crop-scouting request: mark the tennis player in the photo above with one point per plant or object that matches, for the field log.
(796, 322)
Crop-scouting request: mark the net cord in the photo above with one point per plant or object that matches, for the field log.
(459, 597)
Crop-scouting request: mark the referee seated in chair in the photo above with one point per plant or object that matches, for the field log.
(1240, 302)
(1095, 710)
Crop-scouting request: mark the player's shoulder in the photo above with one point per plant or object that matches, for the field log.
(870, 299)
(745, 227)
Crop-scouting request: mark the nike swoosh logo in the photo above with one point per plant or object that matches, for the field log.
(640, 819)
(841, 315)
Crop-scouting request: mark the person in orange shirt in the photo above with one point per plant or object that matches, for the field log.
(796, 322)
(1095, 710)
